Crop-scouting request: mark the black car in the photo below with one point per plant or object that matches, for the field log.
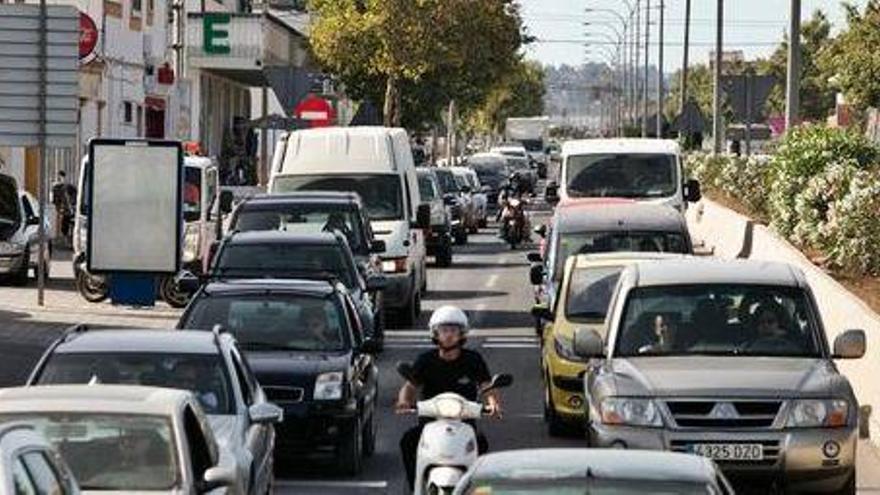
(305, 342)
(438, 239)
(278, 254)
(455, 201)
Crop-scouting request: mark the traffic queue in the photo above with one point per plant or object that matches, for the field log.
(697, 374)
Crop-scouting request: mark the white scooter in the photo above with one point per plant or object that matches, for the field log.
(448, 445)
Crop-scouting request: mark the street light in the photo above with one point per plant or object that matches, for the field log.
(629, 59)
(616, 56)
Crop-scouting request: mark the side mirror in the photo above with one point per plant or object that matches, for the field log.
(188, 282)
(534, 256)
(32, 220)
(377, 246)
(551, 193)
(536, 274)
(226, 199)
(423, 217)
(588, 343)
(541, 230)
(502, 380)
(375, 283)
(371, 346)
(851, 344)
(216, 477)
(266, 413)
(542, 312)
(405, 370)
(692, 192)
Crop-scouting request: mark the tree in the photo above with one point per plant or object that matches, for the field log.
(416, 54)
(854, 59)
(520, 93)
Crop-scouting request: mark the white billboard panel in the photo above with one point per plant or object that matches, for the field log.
(135, 196)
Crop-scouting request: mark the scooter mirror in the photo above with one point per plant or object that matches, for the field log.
(502, 380)
(405, 370)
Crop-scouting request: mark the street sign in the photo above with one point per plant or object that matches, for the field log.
(20, 75)
(317, 111)
(88, 38)
(748, 95)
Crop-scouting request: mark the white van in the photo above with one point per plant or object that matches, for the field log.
(647, 170)
(377, 163)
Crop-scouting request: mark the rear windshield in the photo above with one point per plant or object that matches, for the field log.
(382, 194)
(447, 182)
(203, 374)
(285, 260)
(621, 175)
(609, 242)
(303, 218)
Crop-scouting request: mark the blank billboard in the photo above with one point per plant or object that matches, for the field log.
(135, 197)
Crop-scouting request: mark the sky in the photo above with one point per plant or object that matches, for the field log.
(754, 26)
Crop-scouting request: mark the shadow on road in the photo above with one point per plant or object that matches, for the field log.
(480, 265)
(493, 318)
(449, 295)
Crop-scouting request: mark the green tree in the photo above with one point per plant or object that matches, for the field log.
(416, 55)
(854, 59)
(520, 93)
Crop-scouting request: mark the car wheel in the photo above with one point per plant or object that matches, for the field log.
(93, 289)
(555, 426)
(370, 435)
(850, 487)
(171, 293)
(349, 453)
(20, 277)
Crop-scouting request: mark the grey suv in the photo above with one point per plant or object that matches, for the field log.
(726, 359)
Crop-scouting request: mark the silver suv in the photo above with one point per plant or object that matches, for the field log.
(726, 359)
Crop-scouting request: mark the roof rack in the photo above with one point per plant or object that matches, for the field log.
(15, 425)
(78, 329)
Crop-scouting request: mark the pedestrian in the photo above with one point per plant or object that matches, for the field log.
(64, 200)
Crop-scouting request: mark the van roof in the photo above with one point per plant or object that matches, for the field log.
(341, 150)
(627, 145)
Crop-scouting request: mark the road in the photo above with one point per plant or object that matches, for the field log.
(487, 279)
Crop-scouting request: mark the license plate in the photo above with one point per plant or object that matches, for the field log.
(729, 451)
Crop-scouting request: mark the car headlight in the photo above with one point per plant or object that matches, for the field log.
(394, 265)
(328, 386)
(11, 248)
(565, 348)
(630, 412)
(818, 414)
(190, 243)
(449, 408)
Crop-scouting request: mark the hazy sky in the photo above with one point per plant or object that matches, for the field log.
(754, 26)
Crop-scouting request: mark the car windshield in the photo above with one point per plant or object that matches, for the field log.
(192, 193)
(518, 163)
(447, 182)
(303, 218)
(533, 144)
(426, 188)
(585, 486)
(381, 193)
(203, 374)
(266, 322)
(9, 212)
(589, 292)
(621, 175)
(111, 452)
(617, 241)
(285, 260)
(725, 320)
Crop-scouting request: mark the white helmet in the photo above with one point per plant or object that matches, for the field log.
(448, 315)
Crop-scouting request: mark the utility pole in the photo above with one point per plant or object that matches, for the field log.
(660, 75)
(716, 103)
(647, 64)
(42, 262)
(685, 61)
(793, 83)
(637, 44)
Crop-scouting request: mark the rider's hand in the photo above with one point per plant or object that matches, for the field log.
(493, 409)
(403, 407)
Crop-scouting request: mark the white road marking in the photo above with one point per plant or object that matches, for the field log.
(330, 484)
(511, 339)
(500, 345)
(493, 279)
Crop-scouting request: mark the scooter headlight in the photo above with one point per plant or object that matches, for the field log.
(449, 408)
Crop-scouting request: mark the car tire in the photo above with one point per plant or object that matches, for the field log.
(20, 278)
(171, 294)
(90, 288)
(850, 487)
(370, 435)
(349, 452)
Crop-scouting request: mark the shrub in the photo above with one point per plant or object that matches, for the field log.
(853, 240)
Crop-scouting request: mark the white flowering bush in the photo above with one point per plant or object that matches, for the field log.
(853, 230)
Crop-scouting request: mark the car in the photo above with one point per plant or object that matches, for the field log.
(316, 212)
(493, 173)
(124, 438)
(439, 239)
(20, 233)
(461, 209)
(569, 470)
(377, 163)
(602, 225)
(470, 184)
(726, 359)
(649, 170)
(30, 465)
(326, 382)
(209, 365)
(519, 161)
(275, 254)
(585, 291)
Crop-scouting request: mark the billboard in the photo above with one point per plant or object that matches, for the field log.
(135, 222)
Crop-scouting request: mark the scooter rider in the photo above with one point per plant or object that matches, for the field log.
(448, 368)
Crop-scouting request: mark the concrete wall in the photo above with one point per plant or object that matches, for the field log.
(733, 235)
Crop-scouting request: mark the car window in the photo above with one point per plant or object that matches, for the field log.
(9, 209)
(617, 241)
(305, 218)
(200, 453)
(727, 320)
(123, 452)
(285, 260)
(267, 321)
(211, 187)
(382, 194)
(45, 478)
(247, 391)
(21, 479)
(589, 292)
(355, 322)
(204, 374)
(447, 182)
(27, 207)
(192, 193)
(621, 175)
(426, 188)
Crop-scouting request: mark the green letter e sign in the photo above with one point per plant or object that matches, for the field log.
(216, 34)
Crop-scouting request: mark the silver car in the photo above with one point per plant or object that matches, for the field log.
(729, 360)
(29, 464)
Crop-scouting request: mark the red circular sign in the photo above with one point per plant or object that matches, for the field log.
(317, 111)
(88, 35)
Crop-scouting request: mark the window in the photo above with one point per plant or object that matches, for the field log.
(247, 392)
(621, 175)
(136, 6)
(21, 479)
(127, 112)
(199, 452)
(43, 474)
(28, 209)
(286, 260)
(382, 193)
(589, 292)
(192, 193)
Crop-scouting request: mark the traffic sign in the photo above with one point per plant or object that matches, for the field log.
(317, 111)
(88, 37)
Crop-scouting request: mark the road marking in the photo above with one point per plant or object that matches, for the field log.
(493, 279)
(511, 339)
(500, 345)
(330, 484)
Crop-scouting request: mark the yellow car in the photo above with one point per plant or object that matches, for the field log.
(588, 283)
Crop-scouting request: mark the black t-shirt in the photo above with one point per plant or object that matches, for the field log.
(462, 376)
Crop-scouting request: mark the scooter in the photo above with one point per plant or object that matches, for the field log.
(448, 445)
(513, 221)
